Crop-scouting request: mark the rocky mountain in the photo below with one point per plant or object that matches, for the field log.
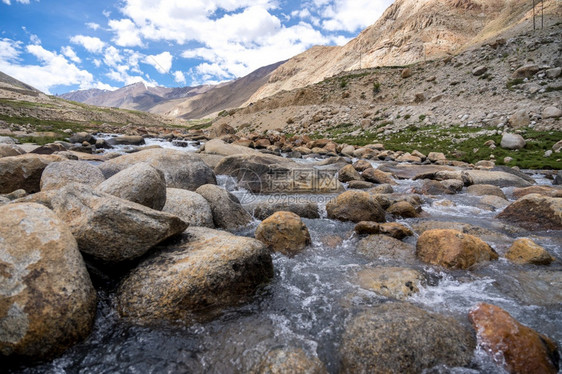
(180, 102)
(409, 31)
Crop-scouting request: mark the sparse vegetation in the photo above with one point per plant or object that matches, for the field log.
(514, 82)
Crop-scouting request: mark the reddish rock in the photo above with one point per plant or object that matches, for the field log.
(517, 347)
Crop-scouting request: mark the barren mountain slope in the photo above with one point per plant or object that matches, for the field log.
(408, 31)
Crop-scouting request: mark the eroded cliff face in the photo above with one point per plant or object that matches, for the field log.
(408, 31)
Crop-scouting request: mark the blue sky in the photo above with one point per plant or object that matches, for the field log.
(59, 46)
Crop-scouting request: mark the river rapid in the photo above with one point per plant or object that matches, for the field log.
(314, 294)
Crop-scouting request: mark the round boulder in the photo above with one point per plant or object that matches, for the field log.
(535, 212)
(59, 174)
(47, 301)
(453, 249)
(191, 207)
(526, 251)
(24, 172)
(402, 338)
(181, 169)
(402, 209)
(485, 189)
(512, 141)
(377, 176)
(284, 232)
(195, 279)
(141, 183)
(227, 212)
(397, 283)
(518, 348)
(348, 173)
(355, 206)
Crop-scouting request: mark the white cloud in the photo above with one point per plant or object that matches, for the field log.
(161, 62)
(127, 34)
(179, 77)
(92, 44)
(19, 1)
(69, 52)
(112, 57)
(53, 68)
(92, 25)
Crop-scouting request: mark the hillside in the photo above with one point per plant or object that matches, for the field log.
(408, 31)
(30, 114)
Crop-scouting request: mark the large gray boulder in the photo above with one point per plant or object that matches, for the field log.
(402, 338)
(59, 174)
(191, 207)
(24, 172)
(47, 301)
(141, 183)
(181, 169)
(218, 147)
(512, 141)
(106, 227)
(227, 211)
(497, 178)
(196, 279)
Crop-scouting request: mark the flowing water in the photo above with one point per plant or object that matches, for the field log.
(314, 294)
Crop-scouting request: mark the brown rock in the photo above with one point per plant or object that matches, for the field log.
(395, 230)
(261, 143)
(362, 165)
(535, 212)
(8, 150)
(47, 301)
(355, 206)
(453, 249)
(59, 174)
(194, 280)
(526, 71)
(218, 130)
(517, 347)
(406, 73)
(485, 189)
(397, 283)
(377, 246)
(526, 251)
(24, 172)
(348, 173)
(284, 232)
(191, 207)
(402, 209)
(541, 190)
(367, 228)
(377, 176)
(227, 212)
(360, 185)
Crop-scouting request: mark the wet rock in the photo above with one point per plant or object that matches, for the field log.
(516, 347)
(24, 172)
(362, 165)
(195, 279)
(453, 185)
(263, 209)
(8, 150)
(432, 187)
(402, 338)
(526, 251)
(140, 183)
(126, 140)
(58, 174)
(284, 232)
(106, 227)
(49, 149)
(81, 137)
(47, 301)
(377, 246)
(395, 230)
(407, 157)
(497, 178)
(485, 189)
(540, 190)
(482, 233)
(393, 282)
(227, 212)
(348, 173)
(377, 176)
(402, 209)
(7, 140)
(289, 361)
(181, 169)
(359, 185)
(492, 202)
(381, 189)
(534, 212)
(191, 207)
(512, 141)
(355, 206)
(453, 249)
(535, 287)
(367, 228)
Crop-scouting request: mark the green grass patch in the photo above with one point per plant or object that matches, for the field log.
(553, 88)
(514, 82)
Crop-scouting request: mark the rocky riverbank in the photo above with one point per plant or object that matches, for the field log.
(293, 254)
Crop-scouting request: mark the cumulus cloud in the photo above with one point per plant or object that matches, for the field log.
(161, 62)
(126, 33)
(8, 2)
(53, 68)
(69, 52)
(350, 16)
(92, 44)
(179, 77)
(92, 25)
